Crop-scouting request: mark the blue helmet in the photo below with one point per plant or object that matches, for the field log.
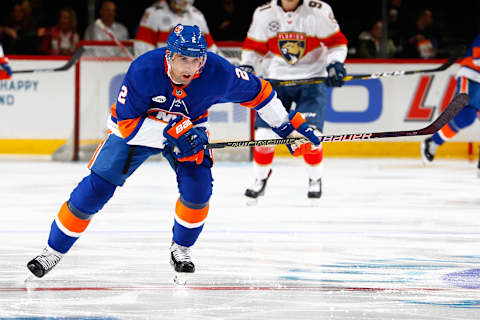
(187, 41)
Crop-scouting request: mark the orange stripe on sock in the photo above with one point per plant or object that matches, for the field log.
(190, 215)
(447, 131)
(70, 221)
(314, 157)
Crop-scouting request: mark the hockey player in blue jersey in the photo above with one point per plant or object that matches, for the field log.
(468, 81)
(162, 107)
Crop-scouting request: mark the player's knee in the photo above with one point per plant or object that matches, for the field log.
(92, 193)
(195, 183)
(465, 117)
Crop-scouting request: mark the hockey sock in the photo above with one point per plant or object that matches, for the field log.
(462, 120)
(262, 161)
(314, 161)
(87, 198)
(189, 221)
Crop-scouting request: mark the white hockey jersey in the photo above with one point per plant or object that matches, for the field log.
(157, 23)
(294, 45)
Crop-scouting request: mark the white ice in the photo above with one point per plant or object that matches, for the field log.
(390, 239)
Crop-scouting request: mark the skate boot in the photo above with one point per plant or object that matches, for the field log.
(257, 189)
(314, 189)
(44, 262)
(182, 263)
(427, 150)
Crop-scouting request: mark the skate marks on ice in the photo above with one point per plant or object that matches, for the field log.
(387, 241)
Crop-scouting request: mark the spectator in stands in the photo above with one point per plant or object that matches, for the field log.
(160, 18)
(96, 31)
(62, 39)
(421, 40)
(19, 35)
(370, 41)
(107, 14)
(228, 23)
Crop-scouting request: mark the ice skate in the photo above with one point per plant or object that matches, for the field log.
(257, 189)
(314, 190)
(182, 263)
(44, 262)
(426, 151)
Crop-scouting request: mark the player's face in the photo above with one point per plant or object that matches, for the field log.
(183, 68)
(289, 5)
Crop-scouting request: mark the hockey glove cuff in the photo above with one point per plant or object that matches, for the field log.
(296, 127)
(336, 72)
(188, 141)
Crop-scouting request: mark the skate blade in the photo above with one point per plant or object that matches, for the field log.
(252, 201)
(181, 278)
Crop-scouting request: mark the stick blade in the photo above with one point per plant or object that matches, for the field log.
(452, 109)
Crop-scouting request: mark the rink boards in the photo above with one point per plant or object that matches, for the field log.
(37, 110)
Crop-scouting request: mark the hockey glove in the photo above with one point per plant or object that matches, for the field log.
(6, 73)
(336, 71)
(188, 141)
(247, 68)
(296, 127)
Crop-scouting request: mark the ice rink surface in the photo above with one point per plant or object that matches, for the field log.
(390, 239)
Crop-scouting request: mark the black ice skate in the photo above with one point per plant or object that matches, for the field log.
(257, 189)
(44, 262)
(314, 189)
(427, 155)
(180, 259)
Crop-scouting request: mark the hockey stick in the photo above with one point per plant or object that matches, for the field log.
(453, 108)
(288, 83)
(112, 36)
(76, 56)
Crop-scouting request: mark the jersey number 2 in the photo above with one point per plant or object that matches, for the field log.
(241, 74)
(123, 95)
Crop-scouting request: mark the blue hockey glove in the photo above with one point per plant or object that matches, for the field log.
(188, 140)
(297, 127)
(247, 68)
(336, 71)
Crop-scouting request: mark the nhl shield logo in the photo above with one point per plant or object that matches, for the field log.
(292, 45)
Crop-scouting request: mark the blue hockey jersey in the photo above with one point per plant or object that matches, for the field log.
(148, 99)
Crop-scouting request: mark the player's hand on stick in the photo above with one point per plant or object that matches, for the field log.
(189, 141)
(296, 127)
(6, 72)
(336, 72)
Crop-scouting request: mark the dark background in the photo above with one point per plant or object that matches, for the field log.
(457, 22)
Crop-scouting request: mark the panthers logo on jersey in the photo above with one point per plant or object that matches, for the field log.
(292, 45)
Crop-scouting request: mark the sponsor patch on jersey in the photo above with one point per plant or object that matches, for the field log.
(273, 26)
(292, 45)
(159, 99)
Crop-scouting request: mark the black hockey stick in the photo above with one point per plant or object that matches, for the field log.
(288, 83)
(453, 108)
(78, 53)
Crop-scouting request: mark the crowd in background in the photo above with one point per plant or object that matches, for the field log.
(425, 29)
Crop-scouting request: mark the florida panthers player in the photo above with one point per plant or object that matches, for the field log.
(468, 81)
(294, 39)
(160, 18)
(163, 107)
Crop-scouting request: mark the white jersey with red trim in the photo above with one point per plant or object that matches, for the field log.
(158, 21)
(294, 45)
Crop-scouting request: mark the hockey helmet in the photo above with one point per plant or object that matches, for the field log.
(187, 41)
